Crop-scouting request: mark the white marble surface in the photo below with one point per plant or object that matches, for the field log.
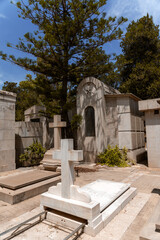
(68, 157)
(105, 192)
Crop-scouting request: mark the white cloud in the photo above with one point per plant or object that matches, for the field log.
(2, 16)
(135, 9)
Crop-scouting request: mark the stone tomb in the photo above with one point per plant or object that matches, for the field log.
(96, 203)
(18, 187)
(108, 118)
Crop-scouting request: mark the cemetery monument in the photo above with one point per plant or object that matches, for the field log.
(108, 118)
(96, 203)
(48, 162)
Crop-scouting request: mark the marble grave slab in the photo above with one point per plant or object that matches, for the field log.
(105, 192)
(26, 178)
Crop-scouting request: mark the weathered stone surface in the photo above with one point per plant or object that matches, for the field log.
(26, 179)
(117, 119)
(19, 195)
(57, 125)
(150, 104)
(152, 119)
(91, 92)
(7, 136)
(35, 112)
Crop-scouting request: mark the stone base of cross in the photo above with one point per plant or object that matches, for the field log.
(68, 156)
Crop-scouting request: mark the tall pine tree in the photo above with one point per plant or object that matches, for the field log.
(139, 65)
(66, 46)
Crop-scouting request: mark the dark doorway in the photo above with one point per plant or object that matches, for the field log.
(89, 122)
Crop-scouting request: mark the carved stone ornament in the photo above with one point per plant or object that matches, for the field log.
(89, 89)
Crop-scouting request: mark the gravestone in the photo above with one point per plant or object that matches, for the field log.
(15, 188)
(67, 156)
(48, 162)
(57, 125)
(97, 202)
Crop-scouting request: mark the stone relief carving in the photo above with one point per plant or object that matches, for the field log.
(7, 107)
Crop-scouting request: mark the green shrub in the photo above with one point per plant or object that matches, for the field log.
(113, 157)
(33, 154)
(76, 121)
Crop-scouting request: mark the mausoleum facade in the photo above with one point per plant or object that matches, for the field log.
(151, 108)
(108, 118)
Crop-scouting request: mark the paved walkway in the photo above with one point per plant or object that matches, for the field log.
(125, 226)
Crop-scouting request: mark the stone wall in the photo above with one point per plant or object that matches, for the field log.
(7, 134)
(131, 127)
(151, 108)
(153, 138)
(111, 122)
(27, 132)
(125, 124)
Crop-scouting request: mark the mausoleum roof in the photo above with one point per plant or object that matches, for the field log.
(9, 96)
(149, 104)
(99, 84)
(5, 93)
(123, 95)
(108, 89)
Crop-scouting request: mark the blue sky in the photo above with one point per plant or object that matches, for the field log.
(13, 27)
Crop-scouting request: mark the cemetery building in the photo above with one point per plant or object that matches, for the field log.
(151, 108)
(108, 118)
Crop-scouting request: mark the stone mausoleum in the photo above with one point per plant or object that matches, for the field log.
(108, 118)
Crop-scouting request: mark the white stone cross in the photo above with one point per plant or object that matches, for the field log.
(67, 156)
(57, 125)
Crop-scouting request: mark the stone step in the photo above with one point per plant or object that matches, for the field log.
(51, 161)
(47, 157)
(151, 229)
(48, 154)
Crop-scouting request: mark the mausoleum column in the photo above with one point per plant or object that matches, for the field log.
(7, 130)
